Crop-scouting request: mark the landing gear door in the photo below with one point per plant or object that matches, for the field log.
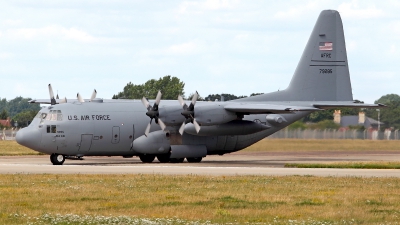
(115, 135)
(86, 142)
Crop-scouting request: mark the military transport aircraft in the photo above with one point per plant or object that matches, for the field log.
(97, 127)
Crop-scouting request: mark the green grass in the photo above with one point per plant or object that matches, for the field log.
(192, 199)
(347, 165)
(12, 148)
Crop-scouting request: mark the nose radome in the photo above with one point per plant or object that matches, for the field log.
(29, 138)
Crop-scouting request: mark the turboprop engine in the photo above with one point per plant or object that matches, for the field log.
(209, 115)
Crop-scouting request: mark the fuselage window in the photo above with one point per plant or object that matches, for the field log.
(42, 117)
(59, 115)
(53, 129)
(48, 128)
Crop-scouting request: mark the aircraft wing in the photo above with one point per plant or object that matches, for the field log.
(252, 108)
(46, 101)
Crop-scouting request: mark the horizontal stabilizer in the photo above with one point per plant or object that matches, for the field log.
(335, 105)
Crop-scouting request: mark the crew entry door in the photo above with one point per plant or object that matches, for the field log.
(86, 142)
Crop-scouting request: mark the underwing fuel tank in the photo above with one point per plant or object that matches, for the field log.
(236, 127)
(156, 142)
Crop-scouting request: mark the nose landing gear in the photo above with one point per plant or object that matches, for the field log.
(57, 159)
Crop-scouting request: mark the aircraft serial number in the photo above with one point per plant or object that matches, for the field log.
(325, 70)
(326, 55)
(89, 117)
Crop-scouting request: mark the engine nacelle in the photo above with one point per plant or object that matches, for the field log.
(156, 142)
(276, 119)
(209, 115)
(171, 115)
(236, 127)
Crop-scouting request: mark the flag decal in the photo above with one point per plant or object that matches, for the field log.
(325, 46)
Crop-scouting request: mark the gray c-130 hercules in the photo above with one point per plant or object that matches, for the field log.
(98, 127)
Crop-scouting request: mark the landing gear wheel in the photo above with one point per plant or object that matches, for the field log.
(163, 158)
(178, 160)
(194, 160)
(147, 158)
(57, 159)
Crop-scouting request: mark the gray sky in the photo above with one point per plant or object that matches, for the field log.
(214, 46)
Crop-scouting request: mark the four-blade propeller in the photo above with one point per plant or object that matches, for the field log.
(188, 113)
(152, 112)
(52, 99)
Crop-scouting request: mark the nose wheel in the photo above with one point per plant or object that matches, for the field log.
(57, 159)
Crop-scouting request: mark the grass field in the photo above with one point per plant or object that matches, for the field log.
(265, 145)
(94, 199)
(352, 165)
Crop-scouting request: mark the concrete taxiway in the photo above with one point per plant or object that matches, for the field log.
(241, 163)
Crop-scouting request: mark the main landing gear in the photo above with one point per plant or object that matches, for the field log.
(165, 158)
(57, 159)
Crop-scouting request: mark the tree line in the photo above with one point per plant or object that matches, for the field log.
(18, 110)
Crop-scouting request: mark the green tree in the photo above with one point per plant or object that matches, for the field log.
(25, 117)
(17, 105)
(169, 86)
(3, 114)
(390, 115)
(227, 97)
(297, 125)
(254, 94)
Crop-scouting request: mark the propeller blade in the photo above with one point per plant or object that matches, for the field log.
(93, 95)
(51, 92)
(63, 101)
(80, 99)
(182, 128)
(52, 100)
(158, 98)
(57, 97)
(181, 101)
(145, 103)
(147, 131)
(196, 125)
(194, 99)
(162, 124)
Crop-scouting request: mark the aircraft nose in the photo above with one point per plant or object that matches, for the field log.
(28, 138)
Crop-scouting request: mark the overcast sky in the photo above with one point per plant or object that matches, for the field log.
(236, 47)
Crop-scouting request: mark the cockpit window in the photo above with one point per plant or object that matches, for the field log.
(59, 115)
(55, 115)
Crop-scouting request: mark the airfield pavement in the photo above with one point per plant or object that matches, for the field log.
(239, 163)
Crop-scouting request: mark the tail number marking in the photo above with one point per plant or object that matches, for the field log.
(325, 70)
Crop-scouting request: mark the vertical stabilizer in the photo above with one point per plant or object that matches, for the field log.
(322, 73)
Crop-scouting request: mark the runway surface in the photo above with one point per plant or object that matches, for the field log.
(241, 163)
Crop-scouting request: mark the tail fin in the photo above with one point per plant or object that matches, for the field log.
(322, 73)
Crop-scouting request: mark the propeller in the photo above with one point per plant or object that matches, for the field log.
(188, 113)
(80, 99)
(152, 112)
(52, 99)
